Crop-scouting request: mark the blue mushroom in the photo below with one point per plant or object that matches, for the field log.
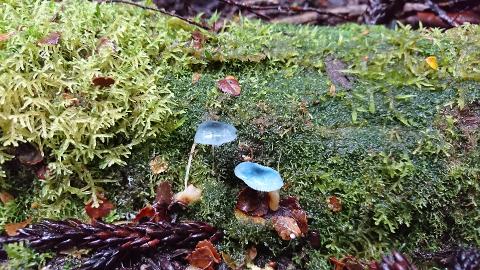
(212, 133)
(261, 178)
(215, 133)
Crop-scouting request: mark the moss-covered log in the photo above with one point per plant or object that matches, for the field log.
(399, 148)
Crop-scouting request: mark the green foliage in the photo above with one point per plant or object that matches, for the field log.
(47, 96)
(21, 257)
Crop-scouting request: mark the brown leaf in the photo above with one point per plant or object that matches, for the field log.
(105, 43)
(52, 39)
(301, 218)
(198, 39)
(242, 216)
(334, 204)
(70, 99)
(229, 85)
(6, 197)
(252, 202)
(103, 81)
(102, 210)
(158, 165)
(146, 212)
(335, 71)
(42, 172)
(164, 193)
(251, 254)
(12, 228)
(229, 261)
(349, 263)
(6, 36)
(196, 77)
(28, 154)
(286, 227)
(205, 256)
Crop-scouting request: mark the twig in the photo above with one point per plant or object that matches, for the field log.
(441, 13)
(161, 11)
(253, 8)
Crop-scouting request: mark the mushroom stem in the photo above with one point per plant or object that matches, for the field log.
(213, 162)
(189, 164)
(274, 199)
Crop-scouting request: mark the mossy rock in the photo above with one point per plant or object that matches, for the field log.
(399, 148)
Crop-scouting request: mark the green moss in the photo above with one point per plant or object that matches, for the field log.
(388, 147)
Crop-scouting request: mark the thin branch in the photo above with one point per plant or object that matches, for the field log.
(441, 13)
(161, 11)
(280, 8)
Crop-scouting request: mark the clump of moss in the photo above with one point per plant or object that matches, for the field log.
(48, 98)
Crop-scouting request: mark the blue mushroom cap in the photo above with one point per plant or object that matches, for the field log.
(215, 133)
(259, 177)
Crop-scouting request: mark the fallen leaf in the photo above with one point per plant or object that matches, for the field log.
(189, 195)
(432, 62)
(251, 254)
(52, 39)
(146, 212)
(229, 85)
(252, 203)
(12, 228)
(105, 43)
(28, 154)
(229, 261)
(103, 81)
(196, 77)
(205, 256)
(6, 36)
(242, 216)
(158, 165)
(335, 71)
(334, 204)
(42, 172)
(198, 39)
(301, 218)
(102, 210)
(70, 100)
(286, 227)
(349, 263)
(164, 193)
(6, 197)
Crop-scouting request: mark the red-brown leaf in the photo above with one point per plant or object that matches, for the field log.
(5, 197)
(12, 228)
(42, 172)
(205, 256)
(198, 39)
(286, 227)
(164, 193)
(6, 36)
(102, 210)
(334, 204)
(229, 85)
(52, 39)
(301, 218)
(105, 43)
(103, 81)
(252, 202)
(146, 212)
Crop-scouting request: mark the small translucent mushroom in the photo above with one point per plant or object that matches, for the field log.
(212, 133)
(261, 178)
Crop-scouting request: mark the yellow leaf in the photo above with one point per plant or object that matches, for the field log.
(432, 62)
